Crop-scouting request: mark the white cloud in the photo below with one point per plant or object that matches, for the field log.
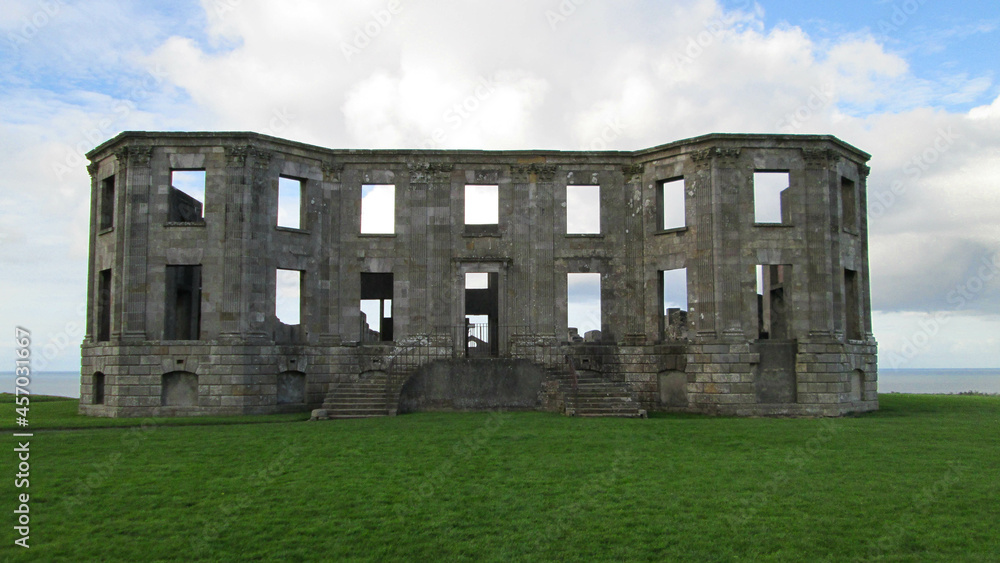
(619, 76)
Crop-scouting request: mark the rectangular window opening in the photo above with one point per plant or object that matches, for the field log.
(670, 201)
(182, 316)
(770, 194)
(673, 304)
(482, 205)
(104, 306)
(288, 296)
(290, 203)
(773, 305)
(482, 314)
(849, 204)
(187, 196)
(378, 209)
(106, 205)
(583, 210)
(852, 305)
(583, 307)
(376, 307)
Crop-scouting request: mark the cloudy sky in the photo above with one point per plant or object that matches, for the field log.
(914, 82)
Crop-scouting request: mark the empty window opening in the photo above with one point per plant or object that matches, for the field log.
(670, 202)
(182, 316)
(482, 313)
(852, 305)
(482, 205)
(187, 196)
(106, 205)
(98, 393)
(291, 388)
(773, 288)
(673, 304)
(104, 306)
(770, 193)
(849, 204)
(179, 389)
(583, 210)
(289, 203)
(378, 209)
(376, 307)
(583, 306)
(288, 296)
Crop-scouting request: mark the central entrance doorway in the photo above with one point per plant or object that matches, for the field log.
(482, 314)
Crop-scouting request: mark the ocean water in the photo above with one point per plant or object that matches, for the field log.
(938, 380)
(67, 383)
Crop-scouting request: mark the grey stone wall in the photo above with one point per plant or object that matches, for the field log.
(242, 349)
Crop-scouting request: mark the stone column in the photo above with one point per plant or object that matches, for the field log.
(632, 311)
(330, 254)
(134, 286)
(95, 196)
(817, 290)
(540, 248)
(233, 316)
(255, 274)
(701, 265)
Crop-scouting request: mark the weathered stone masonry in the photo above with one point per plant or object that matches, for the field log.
(181, 313)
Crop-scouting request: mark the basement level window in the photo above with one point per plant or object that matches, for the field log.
(187, 196)
(670, 202)
(378, 209)
(583, 210)
(288, 296)
(770, 194)
(290, 203)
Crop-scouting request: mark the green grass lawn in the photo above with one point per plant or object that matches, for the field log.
(917, 481)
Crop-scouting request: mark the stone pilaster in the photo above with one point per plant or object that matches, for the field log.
(134, 286)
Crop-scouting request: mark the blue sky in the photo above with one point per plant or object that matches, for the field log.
(915, 83)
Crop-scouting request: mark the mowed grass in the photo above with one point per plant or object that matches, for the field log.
(917, 481)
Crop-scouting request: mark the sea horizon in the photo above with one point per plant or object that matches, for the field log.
(909, 380)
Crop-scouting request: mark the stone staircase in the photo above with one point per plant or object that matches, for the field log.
(596, 396)
(358, 399)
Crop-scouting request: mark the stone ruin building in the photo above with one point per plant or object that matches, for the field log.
(732, 274)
